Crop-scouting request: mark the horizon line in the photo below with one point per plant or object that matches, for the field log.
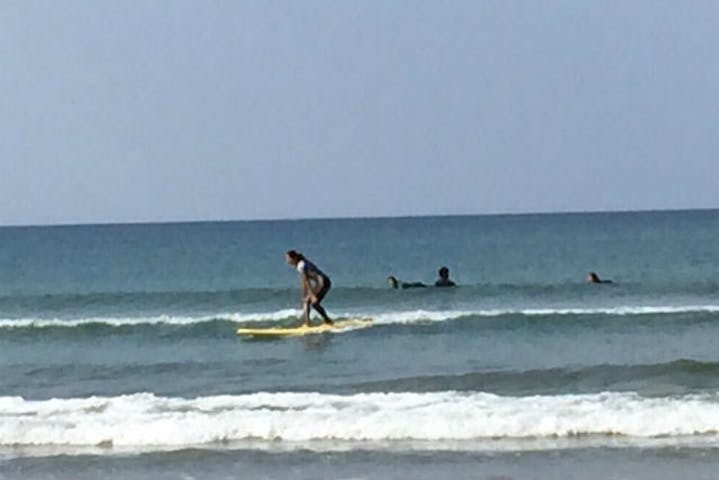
(350, 217)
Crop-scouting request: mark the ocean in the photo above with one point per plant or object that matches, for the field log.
(119, 358)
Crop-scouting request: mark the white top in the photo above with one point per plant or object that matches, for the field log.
(310, 269)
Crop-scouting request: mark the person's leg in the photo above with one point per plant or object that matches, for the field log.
(322, 312)
(320, 295)
(306, 312)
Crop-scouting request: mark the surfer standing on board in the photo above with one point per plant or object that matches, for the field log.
(315, 285)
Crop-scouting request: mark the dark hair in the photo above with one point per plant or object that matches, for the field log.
(295, 255)
(443, 272)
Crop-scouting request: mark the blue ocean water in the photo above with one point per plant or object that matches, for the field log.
(119, 359)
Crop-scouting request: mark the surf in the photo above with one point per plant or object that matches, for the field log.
(379, 316)
(148, 422)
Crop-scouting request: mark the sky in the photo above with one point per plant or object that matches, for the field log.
(152, 111)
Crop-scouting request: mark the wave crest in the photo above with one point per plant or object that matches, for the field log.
(147, 422)
(382, 318)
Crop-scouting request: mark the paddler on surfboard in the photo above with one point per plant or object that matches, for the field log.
(315, 285)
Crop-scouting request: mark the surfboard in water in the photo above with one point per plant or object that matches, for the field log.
(338, 326)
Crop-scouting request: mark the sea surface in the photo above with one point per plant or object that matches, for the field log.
(119, 358)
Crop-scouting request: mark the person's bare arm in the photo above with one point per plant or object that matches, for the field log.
(307, 293)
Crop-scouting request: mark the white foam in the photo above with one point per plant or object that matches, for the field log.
(419, 316)
(623, 310)
(415, 316)
(392, 317)
(151, 320)
(144, 421)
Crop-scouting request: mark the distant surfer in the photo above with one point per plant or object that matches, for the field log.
(315, 285)
(443, 280)
(592, 277)
(394, 283)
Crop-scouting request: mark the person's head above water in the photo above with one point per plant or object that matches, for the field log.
(443, 280)
(392, 281)
(592, 277)
(293, 257)
(443, 273)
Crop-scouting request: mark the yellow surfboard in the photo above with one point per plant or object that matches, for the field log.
(337, 327)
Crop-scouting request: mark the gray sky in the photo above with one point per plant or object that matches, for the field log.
(191, 110)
